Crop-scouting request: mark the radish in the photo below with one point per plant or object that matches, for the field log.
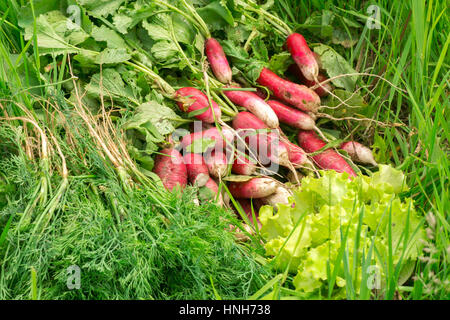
(191, 99)
(297, 156)
(254, 104)
(289, 92)
(328, 159)
(218, 60)
(281, 195)
(171, 169)
(254, 188)
(197, 169)
(266, 144)
(210, 190)
(303, 56)
(217, 163)
(293, 68)
(292, 117)
(213, 134)
(243, 165)
(359, 152)
(246, 120)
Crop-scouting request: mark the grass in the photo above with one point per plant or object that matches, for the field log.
(124, 260)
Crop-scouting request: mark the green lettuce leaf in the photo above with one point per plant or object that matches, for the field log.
(335, 217)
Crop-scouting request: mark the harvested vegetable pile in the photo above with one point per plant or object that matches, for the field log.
(195, 150)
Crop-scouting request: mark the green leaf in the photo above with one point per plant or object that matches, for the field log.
(183, 30)
(354, 103)
(280, 62)
(336, 65)
(122, 22)
(319, 23)
(144, 157)
(235, 52)
(259, 49)
(163, 118)
(156, 32)
(390, 176)
(241, 60)
(216, 15)
(113, 56)
(107, 56)
(147, 127)
(110, 84)
(239, 33)
(39, 7)
(102, 8)
(380, 149)
(113, 40)
(56, 33)
(164, 50)
(128, 17)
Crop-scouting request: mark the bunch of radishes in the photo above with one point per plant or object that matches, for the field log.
(257, 129)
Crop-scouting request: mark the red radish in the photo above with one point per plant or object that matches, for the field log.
(266, 144)
(255, 105)
(246, 205)
(217, 163)
(281, 195)
(170, 168)
(218, 60)
(197, 169)
(254, 188)
(213, 188)
(243, 165)
(359, 152)
(328, 159)
(191, 99)
(303, 56)
(213, 134)
(289, 92)
(297, 156)
(293, 117)
(246, 120)
(293, 68)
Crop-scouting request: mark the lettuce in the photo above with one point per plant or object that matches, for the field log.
(336, 219)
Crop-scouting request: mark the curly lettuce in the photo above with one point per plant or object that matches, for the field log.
(326, 236)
